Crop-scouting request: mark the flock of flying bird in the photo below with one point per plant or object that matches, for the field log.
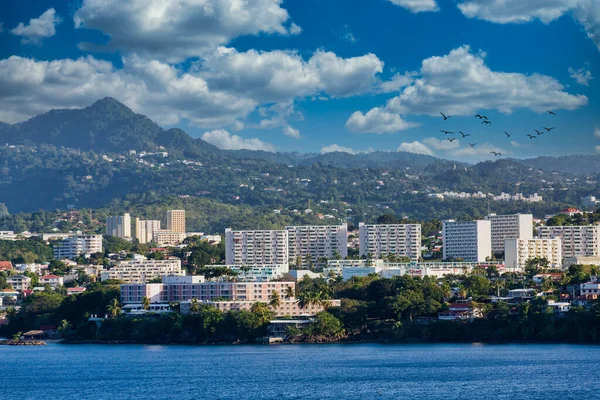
(485, 121)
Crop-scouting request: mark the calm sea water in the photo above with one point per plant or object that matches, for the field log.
(301, 371)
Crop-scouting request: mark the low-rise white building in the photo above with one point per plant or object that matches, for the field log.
(518, 251)
(78, 245)
(164, 237)
(569, 261)
(52, 280)
(256, 273)
(19, 282)
(142, 271)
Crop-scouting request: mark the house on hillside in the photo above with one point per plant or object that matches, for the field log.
(460, 311)
(6, 265)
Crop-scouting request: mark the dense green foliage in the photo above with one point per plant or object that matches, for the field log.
(25, 251)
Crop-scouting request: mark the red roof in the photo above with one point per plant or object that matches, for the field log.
(5, 265)
(76, 289)
(570, 209)
(50, 277)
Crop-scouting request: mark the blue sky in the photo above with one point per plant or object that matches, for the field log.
(319, 75)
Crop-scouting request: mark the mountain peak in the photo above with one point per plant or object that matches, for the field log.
(112, 105)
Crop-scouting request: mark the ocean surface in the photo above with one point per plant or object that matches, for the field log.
(364, 371)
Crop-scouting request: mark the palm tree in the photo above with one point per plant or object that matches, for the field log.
(289, 292)
(145, 303)
(304, 300)
(114, 308)
(262, 310)
(274, 300)
(194, 306)
(64, 328)
(462, 293)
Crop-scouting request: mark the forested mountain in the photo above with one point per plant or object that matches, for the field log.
(577, 164)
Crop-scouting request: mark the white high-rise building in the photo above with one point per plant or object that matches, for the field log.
(119, 226)
(256, 247)
(78, 245)
(518, 251)
(577, 241)
(469, 240)
(514, 226)
(403, 240)
(176, 221)
(145, 228)
(317, 242)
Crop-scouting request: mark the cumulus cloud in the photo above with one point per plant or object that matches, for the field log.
(460, 83)
(291, 132)
(515, 143)
(416, 6)
(377, 121)
(597, 132)
(38, 28)
(226, 141)
(397, 82)
(586, 12)
(583, 76)
(332, 148)
(442, 144)
(177, 30)
(483, 149)
(416, 147)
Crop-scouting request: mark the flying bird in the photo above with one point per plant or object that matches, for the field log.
(531, 136)
(464, 134)
(451, 140)
(551, 113)
(495, 153)
(538, 132)
(447, 132)
(472, 144)
(479, 116)
(445, 118)
(549, 129)
(486, 122)
(507, 134)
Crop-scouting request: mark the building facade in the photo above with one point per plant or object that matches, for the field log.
(467, 240)
(266, 247)
(402, 240)
(577, 241)
(119, 226)
(164, 237)
(256, 273)
(514, 226)
(142, 271)
(518, 251)
(145, 228)
(78, 245)
(311, 244)
(176, 221)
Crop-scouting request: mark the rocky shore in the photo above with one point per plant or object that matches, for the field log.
(22, 343)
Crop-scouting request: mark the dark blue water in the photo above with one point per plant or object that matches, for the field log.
(301, 372)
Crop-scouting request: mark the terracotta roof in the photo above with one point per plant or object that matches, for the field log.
(5, 265)
(50, 276)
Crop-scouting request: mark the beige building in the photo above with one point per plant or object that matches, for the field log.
(176, 221)
(577, 241)
(119, 226)
(145, 229)
(164, 237)
(518, 251)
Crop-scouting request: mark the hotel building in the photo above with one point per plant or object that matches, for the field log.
(403, 240)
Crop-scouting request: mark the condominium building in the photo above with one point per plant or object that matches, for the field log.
(514, 226)
(145, 228)
(78, 245)
(312, 244)
(119, 226)
(142, 271)
(176, 221)
(402, 240)
(256, 273)
(577, 241)
(164, 237)
(266, 247)
(468, 240)
(518, 251)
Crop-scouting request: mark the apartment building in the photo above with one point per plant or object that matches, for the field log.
(145, 229)
(514, 226)
(311, 244)
(119, 226)
(142, 271)
(52, 280)
(468, 240)
(518, 251)
(263, 247)
(287, 307)
(256, 273)
(165, 237)
(402, 240)
(19, 282)
(577, 241)
(78, 245)
(176, 221)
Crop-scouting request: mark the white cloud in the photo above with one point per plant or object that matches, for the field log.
(416, 6)
(442, 144)
(416, 147)
(38, 28)
(597, 132)
(483, 149)
(397, 82)
(332, 148)
(583, 76)
(460, 83)
(224, 140)
(347, 35)
(177, 30)
(291, 132)
(586, 12)
(598, 149)
(378, 121)
(515, 143)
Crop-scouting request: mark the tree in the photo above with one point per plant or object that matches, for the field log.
(64, 328)
(289, 292)
(262, 311)
(114, 308)
(274, 301)
(146, 303)
(194, 306)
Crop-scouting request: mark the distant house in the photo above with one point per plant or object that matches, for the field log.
(539, 278)
(19, 282)
(571, 211)
(5, 265)
(460, 311)
(52, 280)
(522, 294)
(559, 308)
(75, 290)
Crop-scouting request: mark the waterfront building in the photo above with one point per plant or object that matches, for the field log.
(310, 245)
(379, 240)
(261, 247)
(145, 229)
(119, 226)
(78, 245)
(468, 240)
(577, 241)
(286, 308)
(176, 221)
(518, 251)
(514, 226)
(142, 271)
